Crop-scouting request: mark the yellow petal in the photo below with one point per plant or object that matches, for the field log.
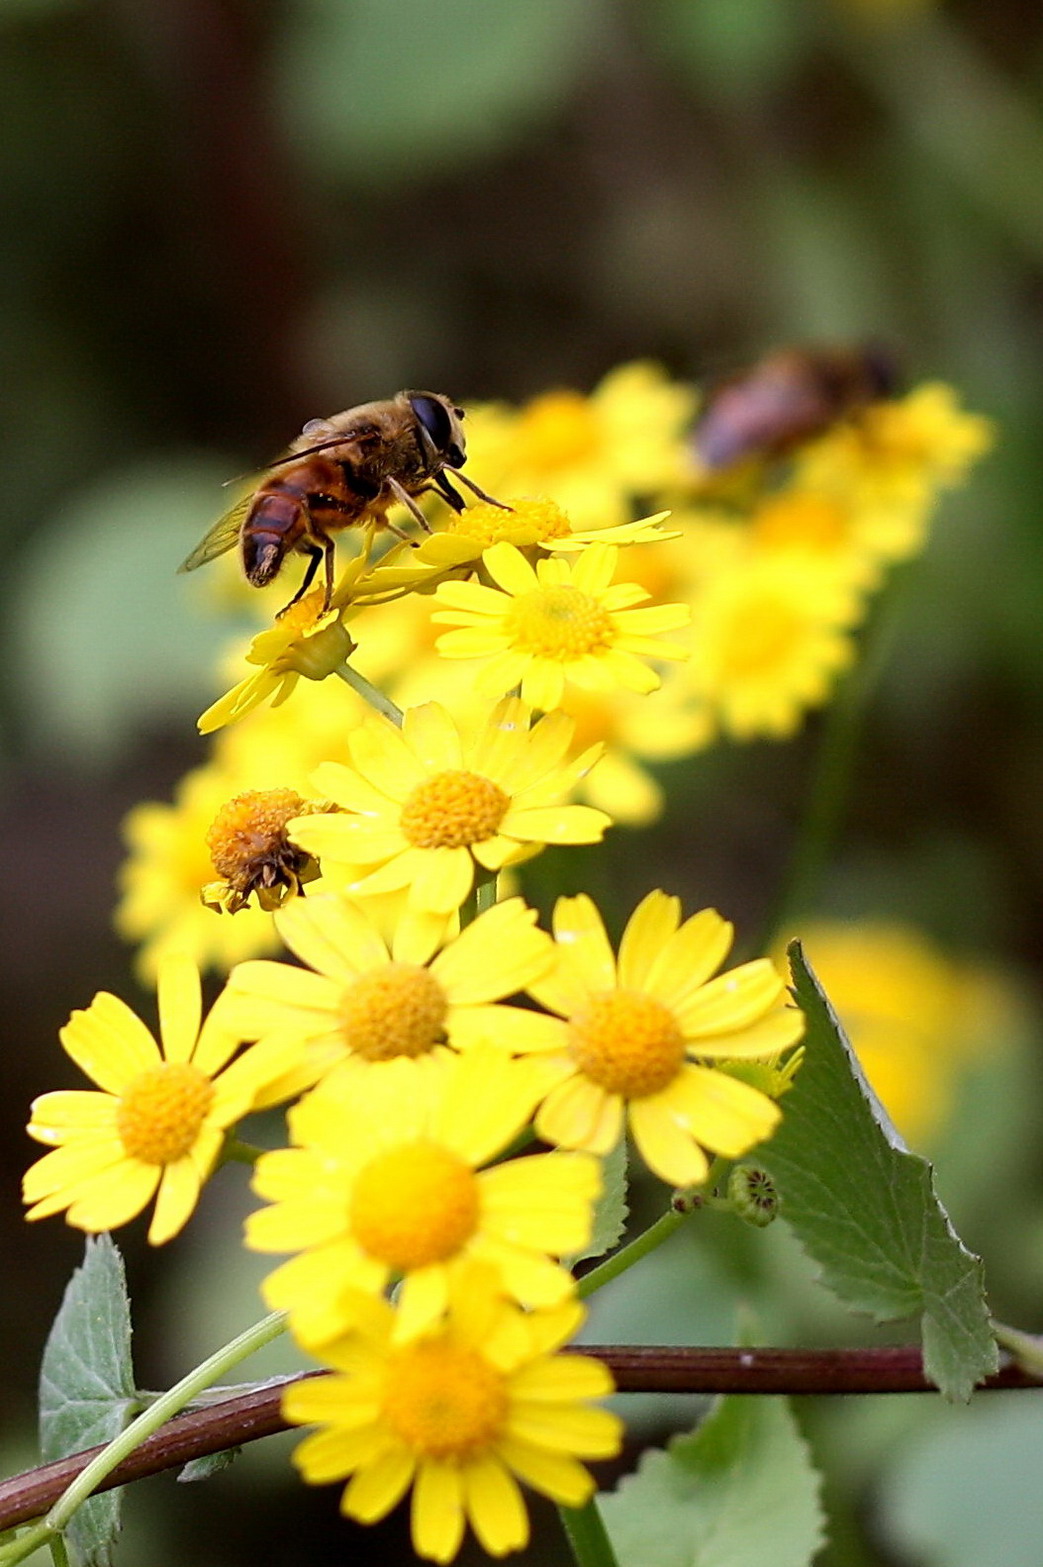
(580, 935)
(578, 1114)
(726, 1115)
(114, 1197)
(442, 880)
(177, 1196)
(552, 1474)
(648, 930)
(437, 1515)
(109, 1042)
(733, 1000)
(689, 957)
(433, 738)
(332, 935)
(666, 1144)
(494, 1506)
(379, 1485)
(180, 999)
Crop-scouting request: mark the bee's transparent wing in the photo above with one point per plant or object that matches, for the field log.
(221, 537)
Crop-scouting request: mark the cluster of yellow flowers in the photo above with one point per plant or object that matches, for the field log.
(429, 1029)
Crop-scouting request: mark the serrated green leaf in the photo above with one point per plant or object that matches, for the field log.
(87, 1392)
(741, 1491)
(611, 1208)
(865, 1208)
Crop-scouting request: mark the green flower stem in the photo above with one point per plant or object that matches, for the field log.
(587, 1536)
(236, 1152)
(482, 896)
(165, 1407)
(485, 891)
(369, 692)
(834, 767)
(59, 1555)
(1027, 1348)
(666, 1225)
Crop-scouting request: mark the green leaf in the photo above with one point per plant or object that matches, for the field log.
(434, 87)
(741, 1491)
(87, 1392)
(611, 1209)
(865, 1208)
(209, 1464)
(97, 602)
(928, 1501)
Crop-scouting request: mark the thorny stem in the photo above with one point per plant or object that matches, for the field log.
(636, 1368)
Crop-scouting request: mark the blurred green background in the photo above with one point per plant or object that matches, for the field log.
(223, 217)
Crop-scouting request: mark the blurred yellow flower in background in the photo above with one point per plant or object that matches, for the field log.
(595, 455)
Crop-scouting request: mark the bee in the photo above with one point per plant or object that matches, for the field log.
(788, 397)
(339, 473)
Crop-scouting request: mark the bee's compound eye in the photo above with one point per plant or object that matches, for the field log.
(434, 416)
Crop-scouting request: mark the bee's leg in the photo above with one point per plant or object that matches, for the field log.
(328, 554)
(445, 489)
(402, 494)
(476, 490)
(314, 553)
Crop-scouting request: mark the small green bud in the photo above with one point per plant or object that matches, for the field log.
(752, 1195)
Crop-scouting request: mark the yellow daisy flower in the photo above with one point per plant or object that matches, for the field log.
(359, 997)
(893, 460)
(424, 806)
(158, 1125)
(303, 641)
(555, 624)
(460, 1415)
(385, 1179)
(829, 527)
(594, 454)
(771, 634)
(632, 1038)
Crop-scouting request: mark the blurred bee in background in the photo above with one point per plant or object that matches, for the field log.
(787, 398)
(342, 472)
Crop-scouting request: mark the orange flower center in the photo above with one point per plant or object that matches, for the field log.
(527, 522)
(162, 1110)
(443, 1400)
(250, 828)
(559, 622)
(452, 810)
(414, 1205)
(627, 1043)
(397, 1010)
